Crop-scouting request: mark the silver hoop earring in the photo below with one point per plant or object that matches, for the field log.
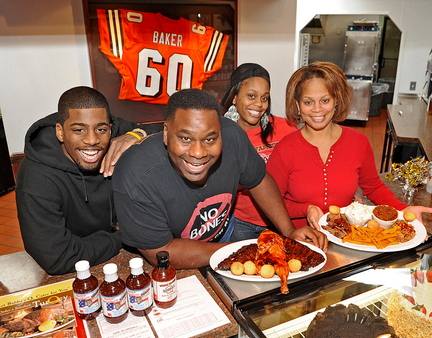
(299, 114)
(264, 121)
(232, 113)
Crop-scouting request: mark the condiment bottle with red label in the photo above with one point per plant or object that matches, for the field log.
(164, 281)
(86, 292)
(138, 285)
(113, 295)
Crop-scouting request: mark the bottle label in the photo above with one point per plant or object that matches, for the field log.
(115, 306)
(89, 302)
(165, 291)
(140, 299)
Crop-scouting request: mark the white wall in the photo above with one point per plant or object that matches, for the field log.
(44, 48)
(266, 35)
(43, 53)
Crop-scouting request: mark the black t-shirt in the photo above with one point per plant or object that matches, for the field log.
(154, 204)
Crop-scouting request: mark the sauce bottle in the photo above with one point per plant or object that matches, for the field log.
(86, 292)
(164, 281)
(138, 285)
(113, 295)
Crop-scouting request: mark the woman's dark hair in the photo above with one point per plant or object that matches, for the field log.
(80, 98)
(243, 72)
(336, 84)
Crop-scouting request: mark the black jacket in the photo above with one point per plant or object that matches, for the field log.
(58, 225)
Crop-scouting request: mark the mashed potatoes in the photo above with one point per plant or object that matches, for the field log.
(358, 214)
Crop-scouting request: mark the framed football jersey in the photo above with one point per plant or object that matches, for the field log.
(141, 53)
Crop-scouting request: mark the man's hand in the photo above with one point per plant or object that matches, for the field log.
(306, 234)
(118, 146)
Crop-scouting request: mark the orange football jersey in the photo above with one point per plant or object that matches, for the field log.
(157, 56)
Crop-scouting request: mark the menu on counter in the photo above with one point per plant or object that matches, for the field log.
(195, 312)
(45, 311)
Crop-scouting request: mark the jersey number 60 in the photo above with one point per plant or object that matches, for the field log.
(150, 82)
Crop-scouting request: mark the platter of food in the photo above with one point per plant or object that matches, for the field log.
(229, 249)
(418, 232)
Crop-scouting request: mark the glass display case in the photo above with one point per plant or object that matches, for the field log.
(367, 281)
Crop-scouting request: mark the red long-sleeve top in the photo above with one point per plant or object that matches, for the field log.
(304, 179)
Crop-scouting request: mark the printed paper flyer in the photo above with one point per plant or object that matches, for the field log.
(45, 311)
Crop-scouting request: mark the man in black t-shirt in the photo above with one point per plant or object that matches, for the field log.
(176, 190)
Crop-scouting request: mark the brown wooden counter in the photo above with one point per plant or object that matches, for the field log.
(122, 261)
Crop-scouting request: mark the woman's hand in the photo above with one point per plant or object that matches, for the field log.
(313, 216)
(418, 209)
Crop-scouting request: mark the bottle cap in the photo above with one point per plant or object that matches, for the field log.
(110, 269)
(136, 263)
(162, 256)
(82, 266)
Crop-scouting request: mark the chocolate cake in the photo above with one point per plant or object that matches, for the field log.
(340, 321)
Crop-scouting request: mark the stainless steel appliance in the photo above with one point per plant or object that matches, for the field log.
(360, 66)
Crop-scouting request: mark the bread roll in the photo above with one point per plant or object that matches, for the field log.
(333, 209)
(250, 268)
(267, 271)
(409, 216)
(237, 268)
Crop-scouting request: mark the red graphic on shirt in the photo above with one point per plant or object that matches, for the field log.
(209, 219)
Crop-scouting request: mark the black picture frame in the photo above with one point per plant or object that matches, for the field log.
(218, 14)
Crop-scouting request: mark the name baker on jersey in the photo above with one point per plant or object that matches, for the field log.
(171, 39)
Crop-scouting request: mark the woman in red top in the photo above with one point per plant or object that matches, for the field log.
(323, 163)
(247, 102)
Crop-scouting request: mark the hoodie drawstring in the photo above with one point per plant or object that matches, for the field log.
(85, 187)
(113, 225)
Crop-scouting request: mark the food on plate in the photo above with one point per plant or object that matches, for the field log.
(347, 322)
(380, 238)
(334, 209)
(273, 249)
(294, 265)
(308, 257)
(357, 213)
(249, 268)
(407, 231)
(267, 271)
(385, 215)
(409, 216)
(237, 268)
(372, 224)
(411, 316)
(385, 212)
(338, 225)
(47, 325)
(374, 233)
(244, 254)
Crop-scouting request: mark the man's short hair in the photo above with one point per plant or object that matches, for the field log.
(191, 99)
(80, 98)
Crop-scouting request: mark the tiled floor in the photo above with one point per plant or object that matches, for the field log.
(10, 235)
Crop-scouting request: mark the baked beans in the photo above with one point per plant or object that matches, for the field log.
(385, 212)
